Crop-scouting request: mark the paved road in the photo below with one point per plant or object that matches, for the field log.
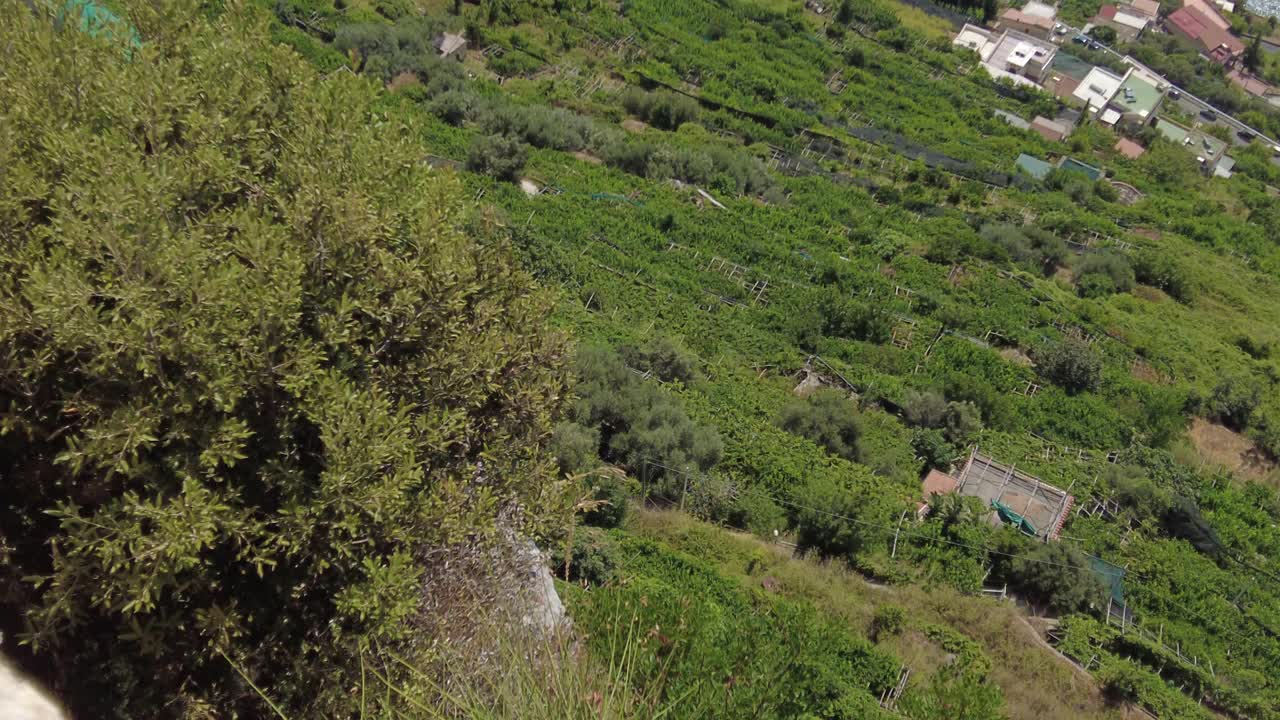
(1189, 103)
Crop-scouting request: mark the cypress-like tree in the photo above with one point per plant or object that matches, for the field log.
(254, 358)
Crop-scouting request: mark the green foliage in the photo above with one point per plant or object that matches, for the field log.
(664, 109)
(888, 620)
(255, 363)
(1183, 519)
(640, 425)
(722, 654)
(1104, 273)
(1031, 247)
(576, 448)
(1058, 576)
(499, 156)
(1233, 402)
(666, 357)
(1072, 363)
(611, 491)
(826, 417)
(953, 693)
(594, 559)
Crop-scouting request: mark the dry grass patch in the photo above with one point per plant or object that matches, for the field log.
(1223, 446)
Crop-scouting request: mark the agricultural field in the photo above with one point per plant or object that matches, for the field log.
(797, 271)
(730, 198)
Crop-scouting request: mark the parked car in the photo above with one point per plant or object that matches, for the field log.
(1175, 95)
(1209, 114)
(1081, 39)
(1245, 135)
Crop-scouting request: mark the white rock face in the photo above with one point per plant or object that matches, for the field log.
(21, 699)
(542, 610)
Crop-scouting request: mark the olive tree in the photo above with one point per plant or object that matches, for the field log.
(252, 364)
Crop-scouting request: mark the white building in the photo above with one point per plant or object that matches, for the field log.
(1097, 88)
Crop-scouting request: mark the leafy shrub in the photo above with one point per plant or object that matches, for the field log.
(1184, 520)
(1058, 576)
(499, 156)
(887, 620)
(1114, 267)
(1036, 249)
(576, 448)
(1160, 271)
(925, 409)
(640, 424)
(612, 490)
(593, 560)
(1233, 401)
(759, 513)
(276, 412)
(384, 51)
(1072, 363)
(663, 109)
(826, 417)
(666, 357)
(931, 446)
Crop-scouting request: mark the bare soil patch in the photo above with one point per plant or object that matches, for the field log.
(1222, 445)
(634, 125)
(587, 157)
(1016, 356)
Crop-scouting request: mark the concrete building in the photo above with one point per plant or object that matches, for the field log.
(1033, 166)
(1127, 25)
(1096, 89)
(1012, 54)
(1129, 148)
(1136, 100)
(1207, 148)
(1150, 9)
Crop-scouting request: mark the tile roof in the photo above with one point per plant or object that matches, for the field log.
(1150, 8)
(1208, 12)
(1107, 11)
(1129, 148)
(1048, 129)
(1013, 15)
(1186, 23)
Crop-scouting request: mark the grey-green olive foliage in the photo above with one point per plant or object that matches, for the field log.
(250, 365)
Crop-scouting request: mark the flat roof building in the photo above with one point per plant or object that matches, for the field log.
(1136, 99)
(1207, 148)
(1097, 88)
(1033, 166)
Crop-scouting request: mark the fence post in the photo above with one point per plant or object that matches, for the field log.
(903, 517)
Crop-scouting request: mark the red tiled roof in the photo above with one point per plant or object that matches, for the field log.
(1150, 8)
(1013, 15)
(1208, 13)
(1107, 11)
(1048, 129)
(1220, 44)
(1185, 22)
(1129, 148)
(937, 483)
(1065, 87)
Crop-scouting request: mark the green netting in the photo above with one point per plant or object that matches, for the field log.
(1112, 576)
(1013, 518)
(98, 21)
